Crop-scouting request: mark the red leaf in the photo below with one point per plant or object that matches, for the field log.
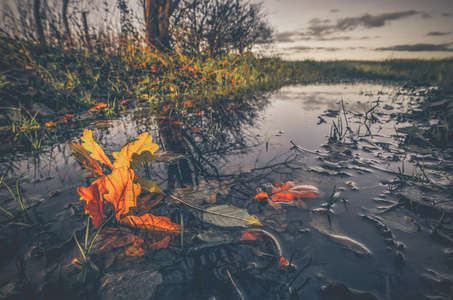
(94, 206)
(249, 236)
(283, 262)
(261, 196)
(289, 192)
(283, 197)
(160, 244)
(150, 221)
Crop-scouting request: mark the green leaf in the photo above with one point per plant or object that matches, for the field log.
(148, 185)
(228, 216)
(138, 159)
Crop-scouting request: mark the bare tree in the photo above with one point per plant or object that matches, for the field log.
(86, 32)
(66, 24)
(157, 22)
(217, 26)
(37, 16)
(248, 26)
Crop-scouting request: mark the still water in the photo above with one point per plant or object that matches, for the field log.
(344, 139)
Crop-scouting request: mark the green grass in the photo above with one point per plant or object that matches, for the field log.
(75, 79)
(22, 218)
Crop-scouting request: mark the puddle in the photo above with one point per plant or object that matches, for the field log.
(221, 153)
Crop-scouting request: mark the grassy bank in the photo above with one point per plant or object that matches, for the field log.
(73, 80)
(76, 78)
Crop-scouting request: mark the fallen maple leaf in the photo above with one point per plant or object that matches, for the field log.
(83, 157)
(146, 203)
(283, 262)
(261, 196)
(283, 197)
(94, 148)
(94, 206)
(249, 236)
(163, 243)
(119, 189)
(287, 192)
(150, 221)
(135, 152)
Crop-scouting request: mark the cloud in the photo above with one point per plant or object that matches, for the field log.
(308, 49)
(295, 36)
(420, 48)
(319, 27)
(438, 33)
(333, 10)
(286, 36)
(447, 14)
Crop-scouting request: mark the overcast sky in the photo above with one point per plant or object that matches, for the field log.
(361, 29)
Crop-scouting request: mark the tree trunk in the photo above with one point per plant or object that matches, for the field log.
(157, 21)
(66, 24)
(37, 15)
(85, 29)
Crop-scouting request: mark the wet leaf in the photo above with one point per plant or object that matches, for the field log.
(163, 243)
(283, 197)
(97, 106)
(249, 236)
(119, 189)
(261, 196)
(150, 221)
(229, 216)
(288, 192)
(118, 237)
(330, 228)
(84, 158)
(96, 151)
(204, 192)
(135, 152)
(146, 203)
(283, 262)
(395, 220)
(94, 206)
(148, 185)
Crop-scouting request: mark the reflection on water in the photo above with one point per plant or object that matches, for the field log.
(222, 151)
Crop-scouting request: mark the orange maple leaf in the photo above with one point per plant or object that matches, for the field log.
(261, 196)
(150, 221)
(119, 189)
(94, 148)
(288, 191)
(135, 152)
(283, 197)
(163, 243)
(94, 206)
(83, 157)
(283, 262)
